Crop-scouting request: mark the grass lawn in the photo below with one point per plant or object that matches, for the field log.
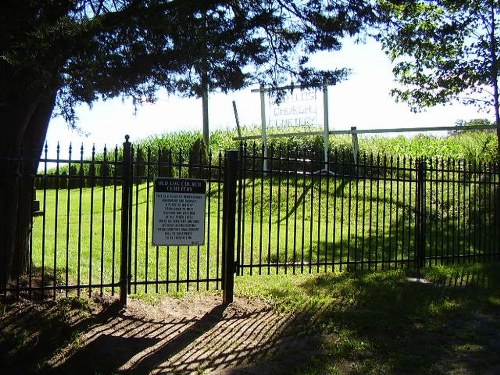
(307, 224)
(388, 323)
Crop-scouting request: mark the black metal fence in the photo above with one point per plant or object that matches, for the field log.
(92, 220)
(300, 215)
(91, 229)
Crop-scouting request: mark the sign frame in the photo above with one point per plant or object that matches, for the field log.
(325, 132)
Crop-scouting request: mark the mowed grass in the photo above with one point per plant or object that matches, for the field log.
(445, 321)
(301, 223)
(314, 223)
(287, 224)
(78, 240)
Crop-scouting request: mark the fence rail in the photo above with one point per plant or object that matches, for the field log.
(92, 223)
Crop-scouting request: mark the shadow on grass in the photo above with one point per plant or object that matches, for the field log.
(358, 322)
(385, 322)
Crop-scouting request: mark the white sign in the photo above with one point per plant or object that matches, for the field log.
(299, 109)
(179, 211)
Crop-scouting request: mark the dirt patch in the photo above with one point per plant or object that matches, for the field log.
(195, 334)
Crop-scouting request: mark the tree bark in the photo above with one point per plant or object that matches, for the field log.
(494, 69)
(25, 125)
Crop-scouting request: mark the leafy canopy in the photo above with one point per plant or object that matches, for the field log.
(443, 50)
(99, 49)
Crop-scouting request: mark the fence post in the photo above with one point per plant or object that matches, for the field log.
(229, 224)
(125, 220)
(420, 215)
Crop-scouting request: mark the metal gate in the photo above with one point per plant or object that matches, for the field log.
(171, 268)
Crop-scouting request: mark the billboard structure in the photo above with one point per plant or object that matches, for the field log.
(302, 110)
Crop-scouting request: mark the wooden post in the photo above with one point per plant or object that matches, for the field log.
(237, 119)
(355, 149)
(355, 145)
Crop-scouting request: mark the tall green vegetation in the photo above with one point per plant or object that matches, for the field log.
(184, 146)
(473, 146)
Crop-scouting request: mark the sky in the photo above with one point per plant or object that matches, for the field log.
(363, 100)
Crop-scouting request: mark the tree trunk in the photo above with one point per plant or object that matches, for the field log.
(8, 207)
(25, 125)
(494, 68)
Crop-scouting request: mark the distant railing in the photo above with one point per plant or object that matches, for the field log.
(354, 131)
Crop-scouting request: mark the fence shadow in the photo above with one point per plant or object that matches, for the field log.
(140, 341)
(166, 350)
(386, 321)
(141, 338)
(480, 276)
(365, 312)
(32, 333)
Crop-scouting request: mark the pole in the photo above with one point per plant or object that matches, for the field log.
(237, 119)
(355, 147)
(125, 220)
(263, 123)
(326, 125)
(229, 225)
(204, 104)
